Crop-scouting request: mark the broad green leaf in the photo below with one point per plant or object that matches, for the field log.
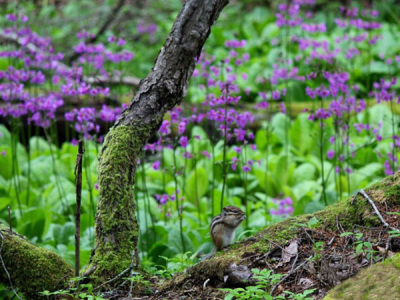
(196, 184)
(179, 243)
(5, 136)
(39, 146)
(35, 222)
(280, 124)
(267, 182)
(300, 135)
(304, 172)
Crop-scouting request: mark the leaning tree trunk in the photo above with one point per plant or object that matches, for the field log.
(116, 226)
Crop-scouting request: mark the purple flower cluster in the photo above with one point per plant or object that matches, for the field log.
(285, 207)
(163, 199)
(149, 30)
(39, 88)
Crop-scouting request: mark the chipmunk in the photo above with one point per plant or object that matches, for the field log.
(223, 227)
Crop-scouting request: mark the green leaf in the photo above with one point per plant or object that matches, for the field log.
(313, 222)
(5, 136)
(35, 222)
(196, 184)
(300, 135)
(176, 244)
(261, 139)
(39, 146)
(267, 182)
(280, 124)
(304, 172)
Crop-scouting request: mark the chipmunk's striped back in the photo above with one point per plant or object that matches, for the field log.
(223, 226)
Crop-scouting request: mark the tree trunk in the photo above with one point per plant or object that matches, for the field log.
(116, 226)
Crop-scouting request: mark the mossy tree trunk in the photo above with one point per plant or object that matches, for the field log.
(116, 226)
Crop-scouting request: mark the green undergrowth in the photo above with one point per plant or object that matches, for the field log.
(349, 213)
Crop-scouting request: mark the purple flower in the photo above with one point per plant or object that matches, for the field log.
(330, 154)
(283, 107)
(187, 155)
(121, 42)
(183, 141)
(206, 154)
(246, 168)
(181, 127)
(162, 199)
(165, 128)
(285, 207)
(235, 44)
(388, 168)
(234, 163)
(156, 165)
(11, 18)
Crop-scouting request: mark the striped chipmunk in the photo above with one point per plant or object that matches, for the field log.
(223, 227)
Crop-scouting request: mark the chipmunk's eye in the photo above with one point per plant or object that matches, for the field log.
(235, 211)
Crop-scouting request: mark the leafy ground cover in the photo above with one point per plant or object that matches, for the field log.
(226, 145)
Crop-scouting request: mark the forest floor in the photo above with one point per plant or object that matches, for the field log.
(317, 258)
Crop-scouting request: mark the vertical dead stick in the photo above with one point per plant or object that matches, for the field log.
(78, 183)
(9, 217)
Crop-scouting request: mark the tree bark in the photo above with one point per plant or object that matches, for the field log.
(116, 225)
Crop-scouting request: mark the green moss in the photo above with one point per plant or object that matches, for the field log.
(116, 226)
(395, 260)
(393, 192)
(31, 268)
(380, 281)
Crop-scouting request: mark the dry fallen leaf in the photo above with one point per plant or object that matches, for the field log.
(289, 252)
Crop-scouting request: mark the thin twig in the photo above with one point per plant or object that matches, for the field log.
(5, 269)
(386, 224)
(130, 268)
(264, 256)
(133, 259)
(9, 217)
(78, 182)
(290, 273)
(113, 279)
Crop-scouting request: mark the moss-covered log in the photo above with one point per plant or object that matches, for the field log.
(116, 225)
(31, 269)
(381, 281)
(348, 215)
